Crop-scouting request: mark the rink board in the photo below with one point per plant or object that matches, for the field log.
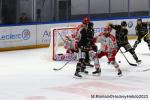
(38, 35)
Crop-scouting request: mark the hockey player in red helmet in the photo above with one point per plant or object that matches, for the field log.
(76, 35)
(86, 20)
(85, 45)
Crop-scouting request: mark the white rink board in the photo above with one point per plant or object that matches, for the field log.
(44, 32)
(13, 36)
(98, 27)
(17, 36)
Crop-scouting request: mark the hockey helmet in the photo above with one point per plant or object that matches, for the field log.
(90, 25)
(86, 20)
(107, 28)
(124, 23)
(139, 19)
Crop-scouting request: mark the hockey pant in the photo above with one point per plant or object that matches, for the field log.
(81, 65)
(84, 54)
(110, 56)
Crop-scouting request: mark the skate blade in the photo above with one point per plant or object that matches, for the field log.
(120, 75)
(139, 63)
(83, 73)
(76, 77)
(98, 74)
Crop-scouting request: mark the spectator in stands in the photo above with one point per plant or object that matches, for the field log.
(24, 18)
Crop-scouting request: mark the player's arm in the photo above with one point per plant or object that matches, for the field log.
(116, 27)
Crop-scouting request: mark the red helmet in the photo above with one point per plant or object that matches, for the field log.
(107, 28)
(85, 20)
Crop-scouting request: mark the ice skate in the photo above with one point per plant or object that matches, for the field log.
(139, 62)
(84, 71)
(77, 75)
(98, 71)
(119, 73)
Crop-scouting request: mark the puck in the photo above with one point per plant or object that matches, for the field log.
(119, 61)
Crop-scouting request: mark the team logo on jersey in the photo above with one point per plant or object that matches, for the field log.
(26, 34)
(130, 24)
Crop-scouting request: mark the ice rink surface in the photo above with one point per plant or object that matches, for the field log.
(29, 75)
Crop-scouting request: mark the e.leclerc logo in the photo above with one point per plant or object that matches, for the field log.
(24, 35)
(130, 24)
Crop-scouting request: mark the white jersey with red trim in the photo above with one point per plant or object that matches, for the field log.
(108, 44)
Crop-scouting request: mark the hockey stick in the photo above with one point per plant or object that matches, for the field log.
(146, 70)
(127, 59)
(145, 34)
(57, 69)
(141, 38)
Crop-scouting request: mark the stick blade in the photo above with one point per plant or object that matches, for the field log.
(55, 69)
(133, 64)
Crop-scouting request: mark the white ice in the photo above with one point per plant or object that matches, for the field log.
(29, 75)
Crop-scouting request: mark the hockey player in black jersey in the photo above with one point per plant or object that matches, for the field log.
(85, 45)
(86, 41)
(122, 39)
(142, 31)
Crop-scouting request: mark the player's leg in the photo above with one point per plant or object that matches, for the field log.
(87, 59)
(132, 52)
(111, 58)
(118, 47)
(147, 39)
(78, 68)
(83, 67)
(82, 57)
(115, 64)
(96, 62)
(97, 66)
(137, 42)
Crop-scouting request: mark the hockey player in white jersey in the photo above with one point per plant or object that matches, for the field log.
(108, 49)
(71, 50)
(70, 45)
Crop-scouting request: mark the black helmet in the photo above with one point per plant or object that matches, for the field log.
(139, 19)
(90, 24)
(123, 23)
